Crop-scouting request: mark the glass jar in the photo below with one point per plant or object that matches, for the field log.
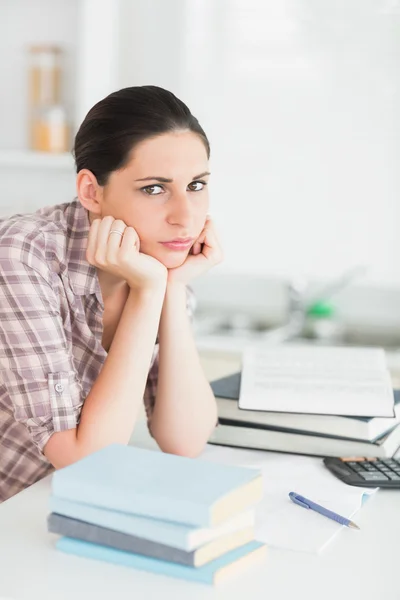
(44, 75)
(47, 116)
(50, 130)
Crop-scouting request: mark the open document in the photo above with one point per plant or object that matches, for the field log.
(279, 522)
(317, 380)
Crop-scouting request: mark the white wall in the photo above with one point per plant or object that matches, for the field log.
(24, 23)
(300, 100)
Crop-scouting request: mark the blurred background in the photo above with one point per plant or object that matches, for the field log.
(300, 100)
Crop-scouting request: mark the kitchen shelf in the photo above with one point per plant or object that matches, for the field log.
(38, 160)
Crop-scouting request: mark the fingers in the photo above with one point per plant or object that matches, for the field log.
(113, 237)
(130, 239)
(211, 249)
(104, 240)
(196, 248)
(92, 241)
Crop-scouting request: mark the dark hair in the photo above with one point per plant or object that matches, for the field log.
(116, 124)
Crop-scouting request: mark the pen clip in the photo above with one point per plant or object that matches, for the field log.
(298, 500)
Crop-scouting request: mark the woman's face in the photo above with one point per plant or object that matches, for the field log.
(162, 193)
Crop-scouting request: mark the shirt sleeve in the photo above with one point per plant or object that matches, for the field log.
(151, 385)
(36, 367)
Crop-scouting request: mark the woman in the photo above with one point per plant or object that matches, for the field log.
(87, 288)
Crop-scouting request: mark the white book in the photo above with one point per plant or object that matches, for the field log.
(316, 380)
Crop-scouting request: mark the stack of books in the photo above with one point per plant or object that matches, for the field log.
(187, 518)
(329, 411)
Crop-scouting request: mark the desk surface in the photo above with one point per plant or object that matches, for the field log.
(360, 565)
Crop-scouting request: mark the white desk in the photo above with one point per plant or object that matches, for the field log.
(356, 565)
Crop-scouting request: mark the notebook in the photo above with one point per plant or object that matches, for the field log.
(159, 485)
(279, 522)
(87, 532)
(177, 535)
(250, 435)
(316, 380)
(227, 389)
(228, 565)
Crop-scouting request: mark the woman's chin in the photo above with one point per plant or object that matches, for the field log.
(169, 258)
(173, 261)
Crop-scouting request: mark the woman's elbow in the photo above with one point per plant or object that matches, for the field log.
(191, 447)
(189, 450)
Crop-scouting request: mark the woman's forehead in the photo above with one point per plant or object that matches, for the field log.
(175, 152)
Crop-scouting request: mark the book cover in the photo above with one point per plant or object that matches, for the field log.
(261, 437)
(159, 485)
(226, 391)
(214, 572)
(177, 535)
(87, 532)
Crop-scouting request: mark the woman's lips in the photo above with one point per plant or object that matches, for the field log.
(178, 245)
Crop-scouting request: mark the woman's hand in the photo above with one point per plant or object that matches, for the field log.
(115, 248)
(205, 253)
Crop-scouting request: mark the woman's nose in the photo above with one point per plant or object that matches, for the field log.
(180, 210)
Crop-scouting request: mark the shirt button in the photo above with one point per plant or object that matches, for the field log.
(59, 387)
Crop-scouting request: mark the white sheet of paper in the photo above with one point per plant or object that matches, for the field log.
(279, 522)
(317, 380)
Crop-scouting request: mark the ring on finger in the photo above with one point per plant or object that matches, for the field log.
(121, 233)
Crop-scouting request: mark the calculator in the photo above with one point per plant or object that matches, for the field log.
(366, 472)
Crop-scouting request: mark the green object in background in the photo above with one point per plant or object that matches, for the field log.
(321, 310)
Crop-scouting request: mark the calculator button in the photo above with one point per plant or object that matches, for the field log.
(368, 476)
(355, 467)
(393, 477)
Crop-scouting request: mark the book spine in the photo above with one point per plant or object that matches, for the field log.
(151, 529)
(114, 539)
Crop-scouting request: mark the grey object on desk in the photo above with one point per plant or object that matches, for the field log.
(81, 530)
(227, 387)
(122, 541)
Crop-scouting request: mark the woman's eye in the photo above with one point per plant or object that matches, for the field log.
(196, 186)
(152, 190)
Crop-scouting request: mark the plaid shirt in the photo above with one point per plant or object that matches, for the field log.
(51, 326)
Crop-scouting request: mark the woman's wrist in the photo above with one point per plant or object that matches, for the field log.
(148, 293)
(176, 291)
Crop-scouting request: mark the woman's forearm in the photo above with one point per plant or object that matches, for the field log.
(111, 408)
(185, 410)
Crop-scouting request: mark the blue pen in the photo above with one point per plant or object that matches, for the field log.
(305, 503)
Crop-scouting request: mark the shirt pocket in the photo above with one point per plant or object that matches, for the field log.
(66, 399)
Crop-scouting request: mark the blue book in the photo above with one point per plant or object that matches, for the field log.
(211, 573)
(176, 535)
(158, 485)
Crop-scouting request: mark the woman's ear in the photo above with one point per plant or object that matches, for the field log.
(90, 193)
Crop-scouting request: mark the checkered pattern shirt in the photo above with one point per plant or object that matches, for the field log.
(51, 326)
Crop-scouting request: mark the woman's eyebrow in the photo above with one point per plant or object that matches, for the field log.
(165, 180)
(201, 175)
(161, 179)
